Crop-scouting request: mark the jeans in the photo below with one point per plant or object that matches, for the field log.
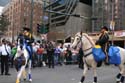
(30, 51)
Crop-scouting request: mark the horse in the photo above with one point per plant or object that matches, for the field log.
(87, 44)
(21, 60)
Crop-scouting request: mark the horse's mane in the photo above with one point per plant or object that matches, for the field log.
(85, 34)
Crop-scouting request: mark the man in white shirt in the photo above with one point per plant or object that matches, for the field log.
(4, 50)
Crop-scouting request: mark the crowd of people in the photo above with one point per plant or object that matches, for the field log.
(44, 54)
(53, 54)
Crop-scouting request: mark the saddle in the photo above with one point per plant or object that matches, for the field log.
(113, 54)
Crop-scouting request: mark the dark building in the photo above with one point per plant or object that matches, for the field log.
(88, 2)
(108, 10)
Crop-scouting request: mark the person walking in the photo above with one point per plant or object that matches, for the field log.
(50, 54)
(5, 50)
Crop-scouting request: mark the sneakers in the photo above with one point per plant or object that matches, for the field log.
(7, 74)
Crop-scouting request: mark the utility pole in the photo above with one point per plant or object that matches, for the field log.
(102, 12)
(13, 25)
(112, 21)
(43, 22)
(93, 14)
(31, 18)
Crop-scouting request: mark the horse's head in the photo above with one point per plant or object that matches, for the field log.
(77, 40)
(84, 39)
(20, 46)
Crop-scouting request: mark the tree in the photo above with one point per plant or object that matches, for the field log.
(3, 23)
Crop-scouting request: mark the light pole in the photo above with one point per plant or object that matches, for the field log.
(93, 14)
(43, 22)
(31, 18)
(13, 25)
(102, 12)
(112, 22)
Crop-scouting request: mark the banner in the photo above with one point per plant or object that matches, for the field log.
(119, 33)
(112, 25)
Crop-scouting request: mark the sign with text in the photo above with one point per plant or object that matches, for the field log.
(119, 33)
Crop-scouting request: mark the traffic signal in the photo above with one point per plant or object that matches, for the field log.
(43, 29)
(76, 15)
(38, 28)
(46, 29)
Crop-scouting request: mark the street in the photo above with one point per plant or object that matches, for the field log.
(64, 74)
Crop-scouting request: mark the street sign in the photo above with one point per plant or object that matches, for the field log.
(112, 25)
(119, 33)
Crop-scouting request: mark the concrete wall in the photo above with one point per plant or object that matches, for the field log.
(74, 24)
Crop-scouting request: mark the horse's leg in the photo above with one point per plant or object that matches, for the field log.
(84, 73)
(94, 72)
(24, 74)
(29, 70)
(19, 74)
(118, 75)
(122, 72)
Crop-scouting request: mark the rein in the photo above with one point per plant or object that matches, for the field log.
(89, 41)
(87, 48)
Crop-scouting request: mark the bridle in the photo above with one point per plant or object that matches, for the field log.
(92, 45)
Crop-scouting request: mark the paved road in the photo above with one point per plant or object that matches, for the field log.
(65, 74)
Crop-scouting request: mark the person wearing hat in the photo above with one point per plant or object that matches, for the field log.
(27, 36)
(29, 39)
(103, 41)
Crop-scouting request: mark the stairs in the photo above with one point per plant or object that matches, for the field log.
(63, 6)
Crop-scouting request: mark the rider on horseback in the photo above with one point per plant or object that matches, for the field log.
(103, 41)
(27, 36)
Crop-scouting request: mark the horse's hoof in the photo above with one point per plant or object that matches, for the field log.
(30, 80)
(95, 82)
(17, 81)
(80, 82)
(24, 79)
(118, 80)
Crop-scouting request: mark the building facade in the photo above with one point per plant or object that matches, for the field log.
(64, 26)
(107, 11)
(18, 13)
